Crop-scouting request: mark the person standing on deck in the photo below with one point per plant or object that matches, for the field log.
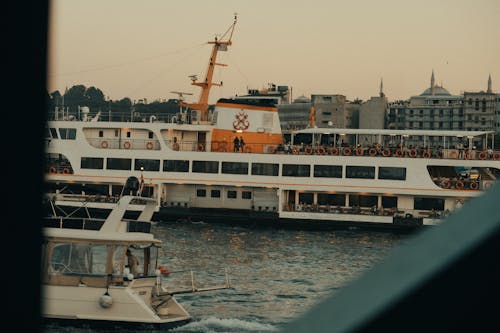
(242, 144)
(236, 142)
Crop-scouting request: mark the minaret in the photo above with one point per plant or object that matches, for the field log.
(489, 85)
(432, 83)
(381, 88)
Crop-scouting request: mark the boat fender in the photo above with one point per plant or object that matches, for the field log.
(53, 169)
(496, 156)
(399, 153)
(104, 144)
(426, 154)
(66, 171)
(126, 145)
(373, 152)
(360, 151)
(149, 145)
(295, 151)
(474, 186)
(105, 301)
(347, 151)
(386, 152)
(459, 185)
(321, 151)
(308, 150)
(412, 153)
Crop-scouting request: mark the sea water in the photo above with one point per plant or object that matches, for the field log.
(275, 275)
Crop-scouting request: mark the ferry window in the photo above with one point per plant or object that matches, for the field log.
(95, 189)
(306, 198)
(118, 163)
(101, 134)
(364, 172)
(128, 134)
(116, 133)
(428, 203)
(330, 171)
(238, 168)
(53, 133)
(92, 163)
(392, 173)
(231, 194)
(296, 170)
(150, 135)
(363, 200)
(215, 193)
(331, 199)
(246, 195)
(149, 165)
(201, 193)
(68, 133)
(176, 165)
(265, 169)
(206, 166)
(389, 202)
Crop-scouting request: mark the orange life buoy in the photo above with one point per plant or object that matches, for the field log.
(426, 154)
(459, 185)
(399, 153)
(483, 155)
(53, 169)
(496, 156)
(201, 147)
(412, 153)
(333, 151)
(104, 144)
(295, 151)
(321, 151)
(308, 150)
(126, 145)
(474, 185)
(175, 146)
(372, 152)
(386, 152)
(347, 151)
(360, 151)
(445, 183)
(149, 145)
(65, 170)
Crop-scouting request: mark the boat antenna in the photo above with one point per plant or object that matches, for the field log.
(219, 44)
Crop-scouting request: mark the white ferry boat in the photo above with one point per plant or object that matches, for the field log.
(317, 177)
(90, 280)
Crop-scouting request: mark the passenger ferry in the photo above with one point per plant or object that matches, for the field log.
(88, 278)
(316, 177)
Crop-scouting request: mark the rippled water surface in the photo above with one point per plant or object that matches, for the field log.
(276, 275)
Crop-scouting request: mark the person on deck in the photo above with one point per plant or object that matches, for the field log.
(236, 142)
(242, 144)
(133, 263)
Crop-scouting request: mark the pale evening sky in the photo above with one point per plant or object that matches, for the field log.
(146, 49)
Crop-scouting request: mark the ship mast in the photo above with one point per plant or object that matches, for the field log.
(218, 45)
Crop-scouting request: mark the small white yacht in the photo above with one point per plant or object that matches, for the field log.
(89, 280)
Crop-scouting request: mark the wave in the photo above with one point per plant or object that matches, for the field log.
(221, 325)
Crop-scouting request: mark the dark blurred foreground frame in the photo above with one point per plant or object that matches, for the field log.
(444, 279)
(24, 75)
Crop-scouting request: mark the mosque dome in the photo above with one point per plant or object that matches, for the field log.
(437, 91)
(302, 99)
